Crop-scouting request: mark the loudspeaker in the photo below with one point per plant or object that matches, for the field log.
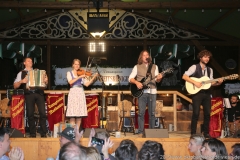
(155, 133)
(236, 134)
(14, 133)
(88, 130)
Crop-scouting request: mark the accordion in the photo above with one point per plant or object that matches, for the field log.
(36, 79)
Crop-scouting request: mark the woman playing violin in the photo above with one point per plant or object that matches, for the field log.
(76, 107)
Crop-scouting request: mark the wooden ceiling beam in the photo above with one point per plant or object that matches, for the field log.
(220, 18)
(122, 5)
(176, 10)
(189, 26)
(124, 42)
(27, 18)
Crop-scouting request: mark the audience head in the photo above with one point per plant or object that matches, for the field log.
(72, 150)
(151, 150)
(126, 150)
(127, 141)
(67, 135)
(92, 154)
(235, 154)
(195, 144)
(69, 150)
(214, 149)
(102, 135)
(4, 141)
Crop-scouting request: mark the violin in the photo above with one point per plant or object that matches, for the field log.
(83, 72)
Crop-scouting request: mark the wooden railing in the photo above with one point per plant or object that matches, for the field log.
(174, 93)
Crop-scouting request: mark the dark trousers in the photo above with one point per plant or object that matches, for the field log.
(143, 101)
(31, 99)
(204, 99)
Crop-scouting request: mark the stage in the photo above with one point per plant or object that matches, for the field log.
(175, 146)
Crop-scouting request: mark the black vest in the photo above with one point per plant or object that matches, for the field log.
(23, 85)
(198, 72)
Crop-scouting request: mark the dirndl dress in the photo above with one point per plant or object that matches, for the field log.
(76, 106)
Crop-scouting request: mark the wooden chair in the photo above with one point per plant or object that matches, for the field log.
(126, 106)
(6, 114)
(158, 113)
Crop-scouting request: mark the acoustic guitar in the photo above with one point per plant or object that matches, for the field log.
(138, 92)
(206, 83)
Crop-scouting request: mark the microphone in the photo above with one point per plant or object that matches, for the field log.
(90, 63)
(148, 60)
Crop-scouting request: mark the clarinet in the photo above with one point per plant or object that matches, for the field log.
(226, 129)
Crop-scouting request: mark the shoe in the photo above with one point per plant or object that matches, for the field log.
(207, 136)
(32, 136)
(44, 136)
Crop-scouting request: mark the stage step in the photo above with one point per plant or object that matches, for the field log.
(183, 120)
(181, 115)
(184, 125)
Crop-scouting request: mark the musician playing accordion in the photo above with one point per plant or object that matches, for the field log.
(32, 96)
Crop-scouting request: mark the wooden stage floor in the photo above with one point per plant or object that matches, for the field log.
(175, 146)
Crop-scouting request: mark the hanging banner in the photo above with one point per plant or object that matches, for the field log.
(92, 120)
(216, 115)
(109, 75)
(17, 113)
(55, 109)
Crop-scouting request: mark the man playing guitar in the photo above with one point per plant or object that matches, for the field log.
(203, 97)
(144, 69)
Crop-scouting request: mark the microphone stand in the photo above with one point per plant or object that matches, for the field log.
(150, 105)
(103, 85)
(226, 129)
(122, 98)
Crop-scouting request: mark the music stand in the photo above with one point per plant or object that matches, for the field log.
(103, 85)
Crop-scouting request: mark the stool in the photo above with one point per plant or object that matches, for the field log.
(121, 124)
(161, 119)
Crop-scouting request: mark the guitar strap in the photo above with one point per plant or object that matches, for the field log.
(149, 70)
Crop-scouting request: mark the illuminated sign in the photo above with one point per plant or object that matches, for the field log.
(96, 47)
